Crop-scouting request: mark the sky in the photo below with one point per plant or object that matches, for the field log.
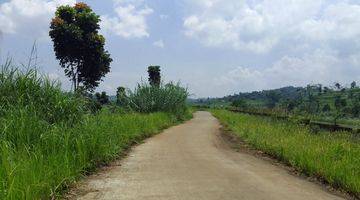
(213, 47)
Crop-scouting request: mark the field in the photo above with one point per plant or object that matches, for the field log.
(334, 157)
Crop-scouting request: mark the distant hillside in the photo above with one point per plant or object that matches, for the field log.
(289, 92)
(256, 98)
(313, 99)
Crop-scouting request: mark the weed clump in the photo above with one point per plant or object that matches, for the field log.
(169, 97)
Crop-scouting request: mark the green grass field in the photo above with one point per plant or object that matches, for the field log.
(334, 157)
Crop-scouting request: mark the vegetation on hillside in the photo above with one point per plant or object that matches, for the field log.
(331, 156)
(331, 104)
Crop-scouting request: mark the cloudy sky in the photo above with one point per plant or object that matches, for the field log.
(215, 47)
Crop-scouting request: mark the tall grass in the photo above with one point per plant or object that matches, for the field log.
(28, 91)
(334, 157)
(59, 154)
(165, 98)
(47, 141)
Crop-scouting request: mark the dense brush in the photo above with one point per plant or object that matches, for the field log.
(164, 98)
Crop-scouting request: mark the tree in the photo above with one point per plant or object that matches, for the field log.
(337, 86)
(121, 96)
(240, 103)
(310, 99)
(340, 106)
(326, 89)
(289, 104)
(154, 76)
(102, 98)
(78, 46)
(353, 85)
(320, 88)
(272, 97)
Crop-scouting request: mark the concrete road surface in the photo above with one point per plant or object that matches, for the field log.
(191, 161)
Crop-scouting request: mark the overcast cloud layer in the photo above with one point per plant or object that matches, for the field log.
(216, 47)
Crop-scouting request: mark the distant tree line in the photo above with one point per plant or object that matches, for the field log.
(336, 101)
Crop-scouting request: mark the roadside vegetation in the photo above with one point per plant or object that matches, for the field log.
(49, 138)
(334, 157)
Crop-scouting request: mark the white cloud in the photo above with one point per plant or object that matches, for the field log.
(130, 19)
(28, 17)
(159, 43)
(325, 67)
(259, 26)
(305, 41)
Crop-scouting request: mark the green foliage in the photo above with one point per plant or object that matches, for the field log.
(330, 104)
(272, 98)
(241, 103)
(353, 85)
(339, 102)
(47, 140)
(29, 93)
(78, 45)
(332, 156)
(337, 86)
(326, 108)
(102, 98)
(165, 98)
(154, 76)
(121, 97)
(57, 155)
(310, 99)
(289, 104)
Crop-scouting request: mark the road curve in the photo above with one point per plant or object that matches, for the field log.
(190, 161)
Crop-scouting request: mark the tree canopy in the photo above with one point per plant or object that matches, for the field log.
(78, 46)
(154, 75)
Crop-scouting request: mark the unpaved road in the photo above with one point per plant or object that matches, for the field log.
(190, 161)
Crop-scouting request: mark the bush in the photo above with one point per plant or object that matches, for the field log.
(165, 98)
(240, 103)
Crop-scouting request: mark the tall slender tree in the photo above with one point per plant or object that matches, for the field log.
(78, 45)
(121, 96)
(154, 76)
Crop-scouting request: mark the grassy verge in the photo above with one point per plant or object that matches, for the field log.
(60, 154)
(48, 138)
(335, 157)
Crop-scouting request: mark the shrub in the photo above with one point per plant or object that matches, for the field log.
(326, 108)
(165, 98)
(240, 103)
